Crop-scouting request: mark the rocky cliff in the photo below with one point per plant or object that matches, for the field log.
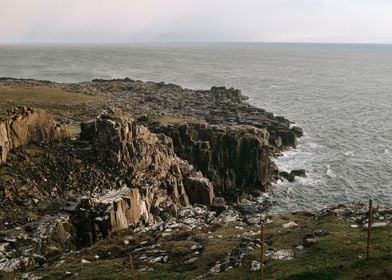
(25, 125)
(155, 181)
(163, 151)
(232, 157)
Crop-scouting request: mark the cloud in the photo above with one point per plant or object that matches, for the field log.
(195, 20)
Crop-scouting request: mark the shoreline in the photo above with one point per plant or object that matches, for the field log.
(151, 165)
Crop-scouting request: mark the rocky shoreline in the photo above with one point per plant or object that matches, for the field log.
(149, 158)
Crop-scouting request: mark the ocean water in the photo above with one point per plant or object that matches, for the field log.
(341, 95)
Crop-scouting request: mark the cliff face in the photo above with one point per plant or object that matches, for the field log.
(232, 157)
(124, 173)
(27, 125)
(155, 181)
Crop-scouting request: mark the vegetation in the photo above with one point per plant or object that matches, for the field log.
(339, 254)
(54, 99)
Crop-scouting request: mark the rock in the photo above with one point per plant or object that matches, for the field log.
(290, 225)
(161, 182)
(26, 125)
(307, 242)
(286, 254)
(40, 242)
(199, 190)
(84, 261)
(288, 176)
(255, 266)
(376, 225)
(298, 172)
(191, 260)
(219, 205)
(297, 131)
(319, 232)
(232, 157)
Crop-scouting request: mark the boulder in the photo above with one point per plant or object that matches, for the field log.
(288, 176)
(298, 172)
(26, 125)
(199, 190)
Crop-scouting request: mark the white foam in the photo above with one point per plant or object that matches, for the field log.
(330, 173)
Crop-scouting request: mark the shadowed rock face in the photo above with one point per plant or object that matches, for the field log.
(156, 181)
(232, 157)
(27, 125)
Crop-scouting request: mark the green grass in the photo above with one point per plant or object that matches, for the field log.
(341, 254)
(53, 99)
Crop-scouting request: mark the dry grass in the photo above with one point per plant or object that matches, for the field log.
(53, 99)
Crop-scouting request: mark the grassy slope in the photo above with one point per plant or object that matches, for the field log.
(338, 255)
(53, 99)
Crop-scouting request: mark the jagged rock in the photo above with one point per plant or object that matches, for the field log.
(36, 243)
(155, 181)
(288, 176)
(232, 157)
(199, 190)
(298, 172)
(219, 205)
(25, 125)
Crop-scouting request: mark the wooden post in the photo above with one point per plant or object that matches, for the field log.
(369, 228)
(132, 268)
(262, 250)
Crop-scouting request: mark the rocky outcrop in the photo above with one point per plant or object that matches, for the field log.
(36, 243)
(25, 125)
(232, 157)
(155, 181)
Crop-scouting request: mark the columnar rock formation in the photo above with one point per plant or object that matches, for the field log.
(232, 157)
(155, 181)
(25, 125)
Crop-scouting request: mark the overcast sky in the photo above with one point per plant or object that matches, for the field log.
(116, 21)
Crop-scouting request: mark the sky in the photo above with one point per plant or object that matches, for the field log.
(127, 21)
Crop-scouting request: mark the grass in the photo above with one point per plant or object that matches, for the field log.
(338, 255)
(53, 99)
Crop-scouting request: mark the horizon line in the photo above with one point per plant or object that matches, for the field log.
(189, 42)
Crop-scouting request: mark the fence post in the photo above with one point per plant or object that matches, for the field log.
(262, 237)
(132, 268)
(370, 221)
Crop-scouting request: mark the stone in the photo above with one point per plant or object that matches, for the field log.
(199, 190)
(161, 182)
(232, 157)
(255, 266)
(376, 225)
(290, 225)
(219, 205)
(286, 254)
(288, 176)
(27, 125)
(307, 242)
(298, 172)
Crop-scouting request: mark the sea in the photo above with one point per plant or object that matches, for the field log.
(340, 94)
